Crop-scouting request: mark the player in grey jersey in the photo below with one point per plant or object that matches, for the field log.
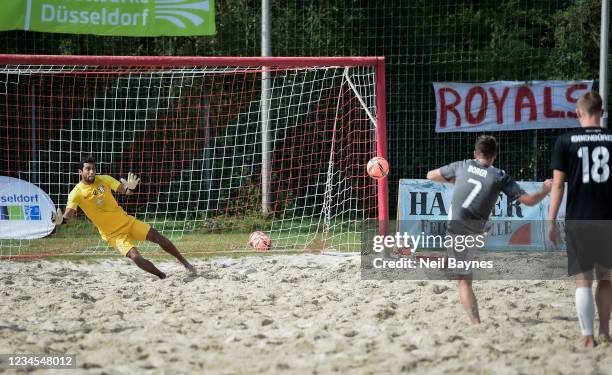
(477, 187)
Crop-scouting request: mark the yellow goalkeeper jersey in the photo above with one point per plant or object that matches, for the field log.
(99, 204)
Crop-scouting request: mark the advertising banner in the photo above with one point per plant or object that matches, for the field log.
(25, 210)
(423, 208)
(507, 105)
(111, 17)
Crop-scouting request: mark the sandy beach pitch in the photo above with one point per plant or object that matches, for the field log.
(284, 314)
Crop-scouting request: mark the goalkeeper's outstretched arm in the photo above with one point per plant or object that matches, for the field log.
(58, 218)
(127, 186)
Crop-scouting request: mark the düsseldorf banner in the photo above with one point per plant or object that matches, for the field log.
(111, 17)
(25, 210)
(507, 105)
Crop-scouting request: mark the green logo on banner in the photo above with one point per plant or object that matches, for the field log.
(111, 17)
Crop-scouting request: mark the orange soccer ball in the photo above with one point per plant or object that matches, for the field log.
(260, 241)
(378, 167)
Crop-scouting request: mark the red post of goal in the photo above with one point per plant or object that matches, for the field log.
(381, 145)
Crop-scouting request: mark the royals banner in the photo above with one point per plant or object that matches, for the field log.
(507, 105)
(110, 17)
(423, 208)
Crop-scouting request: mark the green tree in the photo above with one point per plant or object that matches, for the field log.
(576, 41)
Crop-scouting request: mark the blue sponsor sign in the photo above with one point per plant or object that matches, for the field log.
(423, 207)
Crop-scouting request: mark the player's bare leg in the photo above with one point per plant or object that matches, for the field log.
(144, 264)
(584, 281)
(603, 299)
(168, 246)
(468, 299)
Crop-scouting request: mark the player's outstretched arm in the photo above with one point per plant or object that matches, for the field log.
(58, 218)
(535, 198)
(69, 214)
(436, 176)
(127, 186)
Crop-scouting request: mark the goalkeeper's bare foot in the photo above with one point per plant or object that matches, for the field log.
(191, 269)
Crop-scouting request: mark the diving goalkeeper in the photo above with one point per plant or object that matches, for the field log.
(94, 195)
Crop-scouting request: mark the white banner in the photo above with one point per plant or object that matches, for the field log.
(25, 210)
(507, 105)
(423, 205)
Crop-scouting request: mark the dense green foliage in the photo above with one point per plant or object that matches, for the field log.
(423, 42)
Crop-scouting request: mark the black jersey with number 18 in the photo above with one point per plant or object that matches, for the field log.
(584, 156)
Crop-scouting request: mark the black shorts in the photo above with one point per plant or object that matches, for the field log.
(588, 243)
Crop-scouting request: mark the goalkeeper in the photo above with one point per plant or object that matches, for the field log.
(94, 196)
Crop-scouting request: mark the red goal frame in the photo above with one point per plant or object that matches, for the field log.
(377, 62)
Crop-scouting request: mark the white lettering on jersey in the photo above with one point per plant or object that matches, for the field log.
(477, 171)
(591, 138)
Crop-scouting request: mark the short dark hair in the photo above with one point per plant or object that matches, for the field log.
(590, 103)
(486, 145)
(89, 159)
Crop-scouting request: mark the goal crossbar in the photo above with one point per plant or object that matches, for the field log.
(182, 61)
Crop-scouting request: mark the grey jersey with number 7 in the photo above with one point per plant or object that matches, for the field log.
(477, 188)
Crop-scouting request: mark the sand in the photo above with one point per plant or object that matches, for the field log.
(289, 314)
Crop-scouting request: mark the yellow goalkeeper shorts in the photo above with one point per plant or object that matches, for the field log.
(123, 240)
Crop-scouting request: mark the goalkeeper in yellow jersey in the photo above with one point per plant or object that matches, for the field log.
(94, 195)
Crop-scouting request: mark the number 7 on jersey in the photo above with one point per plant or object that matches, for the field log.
(477, 186)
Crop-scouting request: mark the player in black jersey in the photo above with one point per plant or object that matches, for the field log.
(582, 158)
(477, 187)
